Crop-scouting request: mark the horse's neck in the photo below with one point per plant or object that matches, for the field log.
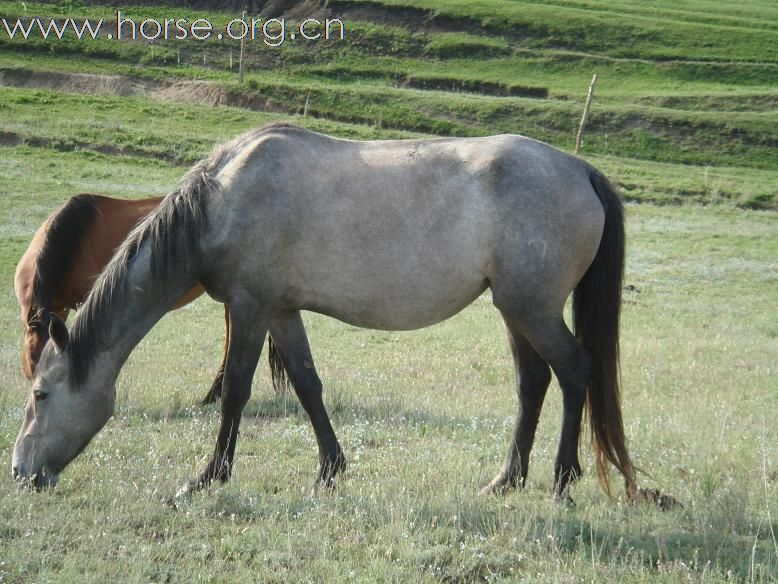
(130, 314)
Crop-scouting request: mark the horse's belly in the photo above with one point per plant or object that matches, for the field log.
(393, 304)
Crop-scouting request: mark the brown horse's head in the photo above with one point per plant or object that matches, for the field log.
(59, 419)
(36, 334)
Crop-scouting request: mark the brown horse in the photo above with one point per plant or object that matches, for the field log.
(64, 259)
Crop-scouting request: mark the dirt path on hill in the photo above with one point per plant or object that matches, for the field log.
(185, 91)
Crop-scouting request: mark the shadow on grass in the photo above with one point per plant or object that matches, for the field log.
(390, 411)
(669, 551)
(676, 551)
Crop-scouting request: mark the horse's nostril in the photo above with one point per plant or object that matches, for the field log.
(15, 472)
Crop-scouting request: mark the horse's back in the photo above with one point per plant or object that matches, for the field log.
(391, 234)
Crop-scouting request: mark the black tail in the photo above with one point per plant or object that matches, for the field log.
(596, 312)
(277, 368)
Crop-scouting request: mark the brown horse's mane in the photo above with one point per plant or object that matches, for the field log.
(64, 235)
(177, 219)
(170, 232)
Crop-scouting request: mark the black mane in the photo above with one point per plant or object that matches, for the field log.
(171, 232)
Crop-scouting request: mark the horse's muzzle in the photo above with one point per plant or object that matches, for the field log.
(38, 481)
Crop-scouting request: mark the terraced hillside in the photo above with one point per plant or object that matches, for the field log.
(685, 106)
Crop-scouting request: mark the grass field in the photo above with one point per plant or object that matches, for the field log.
(685, 112)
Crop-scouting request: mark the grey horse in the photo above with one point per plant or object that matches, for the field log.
(391, 235)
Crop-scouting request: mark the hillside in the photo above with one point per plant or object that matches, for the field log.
(685, 104)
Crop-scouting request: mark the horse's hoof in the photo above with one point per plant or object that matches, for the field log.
(488, 491)
(210, 399)
(668, 502)
(182, 496)
(655, 496)
(326, 486)
(327, 473)
(562, 493)
(501, 485)
(565, 500)
(495, 489)
(186, 491)
(175, 502)
(319, 490)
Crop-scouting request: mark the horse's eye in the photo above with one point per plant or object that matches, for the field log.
(40, 396)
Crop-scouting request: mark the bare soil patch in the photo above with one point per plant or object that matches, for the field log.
(204, 92)
(72, 82)
(13, 139)
(464, 85)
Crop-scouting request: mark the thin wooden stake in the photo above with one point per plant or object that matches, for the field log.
(242, 46)
(305, 109)
(585, 116)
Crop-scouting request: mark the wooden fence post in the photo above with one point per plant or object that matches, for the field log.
(585, 116)
(242, 45)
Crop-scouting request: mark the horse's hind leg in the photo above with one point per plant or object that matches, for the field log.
(549, 336)
(247, 335)
(571, 364)
(292, 344)
(532, 376)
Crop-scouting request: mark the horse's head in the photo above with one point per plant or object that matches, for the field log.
(36, 333)
(59, 419)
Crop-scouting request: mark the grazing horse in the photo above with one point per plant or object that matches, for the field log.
(63, 260)
(392, 235)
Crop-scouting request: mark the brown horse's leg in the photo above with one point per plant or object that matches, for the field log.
(292, 344)
(216, 387)
(248, 329)
(532, 376)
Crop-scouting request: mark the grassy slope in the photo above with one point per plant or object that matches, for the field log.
(700, 30)
(701, 92)
(425, 416)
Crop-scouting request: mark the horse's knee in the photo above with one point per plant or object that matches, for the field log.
(575, 379)
(235, 396)
(309, 387)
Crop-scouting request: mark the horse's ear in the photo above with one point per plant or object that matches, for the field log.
(33, 317)
(32, 313)
(58, 332)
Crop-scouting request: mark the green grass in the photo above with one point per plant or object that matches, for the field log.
(705, 30)
(160, 133)
(137, 127)
(424, 418)
(683, 120)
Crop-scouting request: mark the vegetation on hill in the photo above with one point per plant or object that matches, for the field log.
(691, 86)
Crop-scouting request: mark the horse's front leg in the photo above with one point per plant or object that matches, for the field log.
(291, 342)
(247, 335)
